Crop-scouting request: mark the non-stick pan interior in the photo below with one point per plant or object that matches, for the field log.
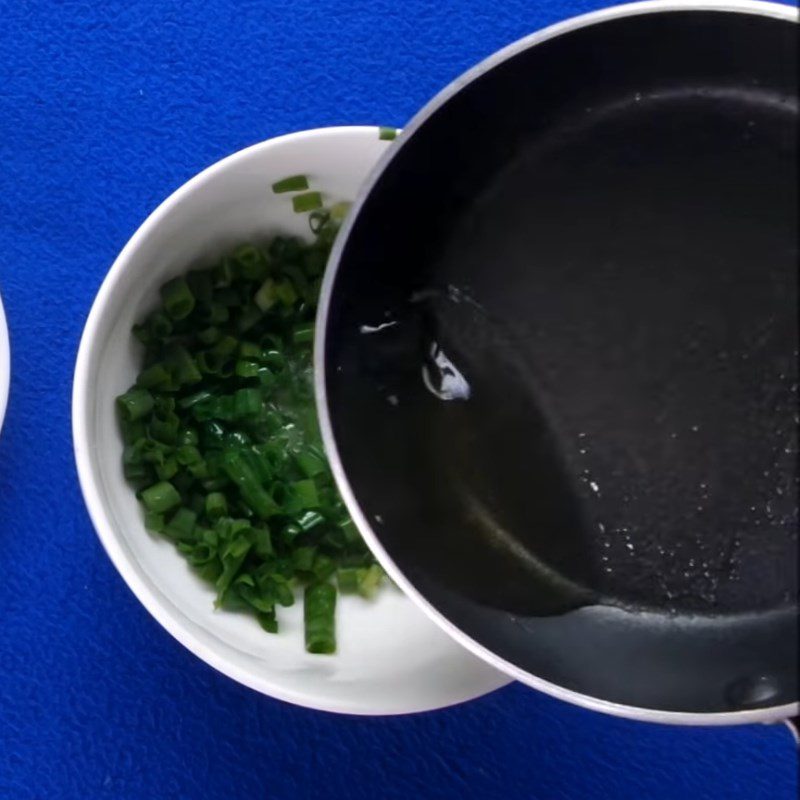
(562, 360)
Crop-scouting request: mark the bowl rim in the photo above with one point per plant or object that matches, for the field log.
(740, 717)
(166, 613)
(5, 364)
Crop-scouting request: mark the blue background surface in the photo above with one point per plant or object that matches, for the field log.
(105, 108)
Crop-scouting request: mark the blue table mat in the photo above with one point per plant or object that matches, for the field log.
(106, 108)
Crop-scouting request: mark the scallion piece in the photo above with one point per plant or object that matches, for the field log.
(387, 133)
(246, 369)
(370, 580)
(154, 521)
(135, 404)
(294, 183)
(286, 293)
(254, 495)
(177, 298)
(303, 333)
(318, 612)
(247, 402)
(306, 493)
(303, 558)
(160, 498)
(266, 296)
(154, 376)
(216, 505)
(268, 622)
(307, 202)
(159, 325)
(182, 524)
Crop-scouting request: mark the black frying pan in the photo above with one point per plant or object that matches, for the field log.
(558, 375)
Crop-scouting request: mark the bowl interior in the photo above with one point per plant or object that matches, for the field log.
(390, 658)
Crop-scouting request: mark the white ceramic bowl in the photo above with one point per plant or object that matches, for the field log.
(391, 658)
(5, 364)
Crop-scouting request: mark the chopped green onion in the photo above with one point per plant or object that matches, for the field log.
(247, 369)
(182, 366)
(247, 402)
(307, 202)
(201, 285)
(167, 470)
(303, 333)
(177, 298)
(286, 293)
(306, 493)
(154, 521)
(370, 581)
(224, 274)
(387, 133)
(318, 219)
(160, 326)
(221, 442)
(182, 524)
(348, 528)
(268, 622)
(310, 463)
(209, 335)
(187, 454)
(339, 211)
(249, 350)
(318, 611)
(160, 498)
(253, 493)
(348, 579)
(294, 183)
(253, 264)
(262, 542)
(248, 317)
(324, 567)
(232, 560)
(310, 519)
(135, 404)
(266, 296)
(303, 558)
(216, 505)
(194, 399)
(153, 377)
